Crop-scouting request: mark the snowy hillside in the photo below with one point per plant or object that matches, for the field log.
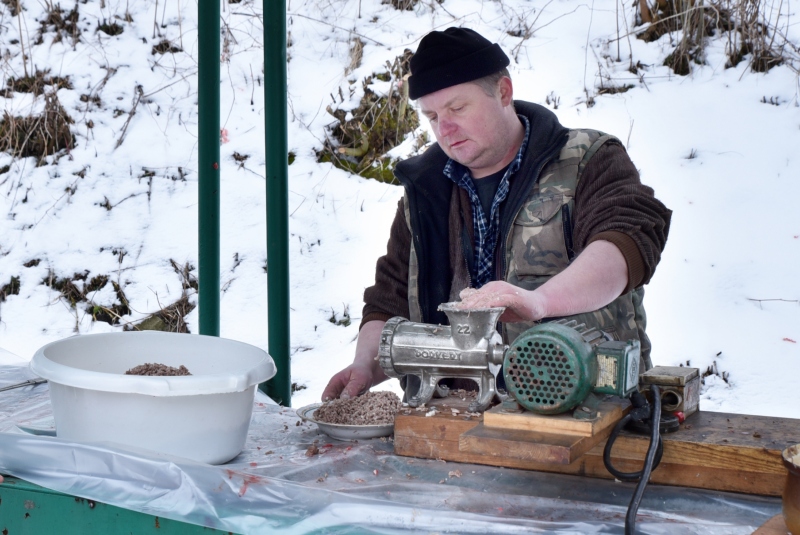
(102, 233)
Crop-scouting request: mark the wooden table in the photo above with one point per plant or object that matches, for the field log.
(712, 450)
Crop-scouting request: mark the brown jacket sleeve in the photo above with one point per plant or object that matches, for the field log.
(612, 204)
(388, 297)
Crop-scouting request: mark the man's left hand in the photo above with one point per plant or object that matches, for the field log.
(596, 277)
(521, 305)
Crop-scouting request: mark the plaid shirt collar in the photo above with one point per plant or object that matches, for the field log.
(486, 227)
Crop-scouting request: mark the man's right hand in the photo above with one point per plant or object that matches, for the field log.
(348, 383)
(365, 371)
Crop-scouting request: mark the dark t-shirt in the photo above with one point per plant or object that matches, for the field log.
(486, 188)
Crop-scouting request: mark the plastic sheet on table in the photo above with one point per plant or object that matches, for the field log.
(292, 479)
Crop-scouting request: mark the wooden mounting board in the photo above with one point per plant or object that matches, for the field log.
(528, 436)
(608, 413)
(718, 451)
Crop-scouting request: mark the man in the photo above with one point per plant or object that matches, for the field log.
(545, 221)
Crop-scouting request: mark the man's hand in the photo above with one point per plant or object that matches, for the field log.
(349, 383)
(521, 305)
(365, 371)
(595, 278)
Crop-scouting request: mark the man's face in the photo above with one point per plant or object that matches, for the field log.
(471, 127)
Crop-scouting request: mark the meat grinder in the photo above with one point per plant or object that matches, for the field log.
(550, 368)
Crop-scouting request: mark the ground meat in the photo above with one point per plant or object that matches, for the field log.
(370, 409)
(157, 369)
(472, 299)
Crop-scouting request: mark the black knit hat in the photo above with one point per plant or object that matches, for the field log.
(454, 56)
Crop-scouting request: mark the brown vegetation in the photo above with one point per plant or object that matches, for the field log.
(360, 138)
(40, 135)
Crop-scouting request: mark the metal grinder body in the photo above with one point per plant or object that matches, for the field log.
(549, 369)
(463, 349)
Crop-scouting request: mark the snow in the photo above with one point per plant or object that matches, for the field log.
(718, 146)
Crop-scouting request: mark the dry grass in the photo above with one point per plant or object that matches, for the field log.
(406, 5)
(40, 135)
(356, 54)
(361, 137)
(171, 317)
(110, 28)
(37, 83)
(403, 5)
(11, 288)
(62, 23)
(78, 290)
(168, 319)
(12, 5)
(750, 35)
(165, 46)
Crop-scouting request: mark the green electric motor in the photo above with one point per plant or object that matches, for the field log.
(551, 368)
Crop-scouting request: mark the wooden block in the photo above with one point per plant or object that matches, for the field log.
(773, 526)
(591, 465)
(444, 424)
(669, 375)
(608, 413)
(558, 448)
(718, 451)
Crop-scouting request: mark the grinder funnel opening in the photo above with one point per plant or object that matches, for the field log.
(469, 327)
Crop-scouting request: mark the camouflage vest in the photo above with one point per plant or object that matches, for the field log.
(537, 248)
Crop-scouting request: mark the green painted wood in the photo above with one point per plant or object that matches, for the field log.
(28, 509)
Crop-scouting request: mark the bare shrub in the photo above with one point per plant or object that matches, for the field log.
(168, 319)
(40, 135)
(402, 5)
(11, 288)
(78, 290)
(64, 24)
(12, 5)
(356, 54)
(171, 318)
(38, 82)
(750, 33)
(405, 5)
(110, 28)
(753, 37)
(360, 138)
(165, 46)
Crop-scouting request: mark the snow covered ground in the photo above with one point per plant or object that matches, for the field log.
(718, 146)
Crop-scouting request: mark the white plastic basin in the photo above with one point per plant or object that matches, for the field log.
(204, 416)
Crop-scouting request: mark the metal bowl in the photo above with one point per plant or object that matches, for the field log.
(342, 431)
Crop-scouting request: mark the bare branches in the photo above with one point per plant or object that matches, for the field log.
(139, 92)
(761, 301)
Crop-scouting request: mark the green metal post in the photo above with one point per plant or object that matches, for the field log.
(277, 149)
(208, 164)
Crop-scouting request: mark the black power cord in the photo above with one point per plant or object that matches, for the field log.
(641, 412)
